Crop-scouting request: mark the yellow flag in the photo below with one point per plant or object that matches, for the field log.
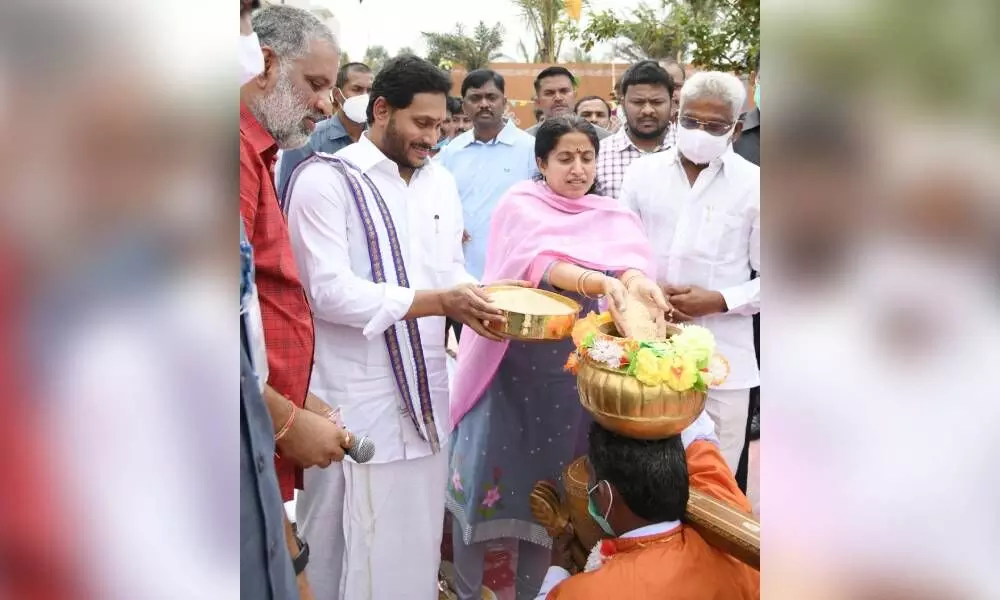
(573, 8)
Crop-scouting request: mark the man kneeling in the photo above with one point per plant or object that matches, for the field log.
(638, 491)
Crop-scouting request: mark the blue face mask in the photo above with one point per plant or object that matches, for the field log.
(596, 516)
(756, 94)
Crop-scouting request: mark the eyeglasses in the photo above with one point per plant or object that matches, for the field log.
(715, 128)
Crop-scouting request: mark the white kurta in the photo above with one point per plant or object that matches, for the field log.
(708, 235)
(386, 501)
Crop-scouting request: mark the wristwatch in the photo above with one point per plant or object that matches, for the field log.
(300, 561)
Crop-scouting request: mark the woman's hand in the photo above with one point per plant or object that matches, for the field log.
(652, 298)
(649, 293)
(616, 293)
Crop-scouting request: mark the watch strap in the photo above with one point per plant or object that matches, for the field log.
(300, 561)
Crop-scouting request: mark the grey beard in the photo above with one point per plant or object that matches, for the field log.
(281, 113)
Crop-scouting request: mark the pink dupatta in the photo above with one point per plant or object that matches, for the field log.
(531, 228)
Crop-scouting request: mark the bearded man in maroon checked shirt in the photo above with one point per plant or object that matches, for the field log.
(278, 109)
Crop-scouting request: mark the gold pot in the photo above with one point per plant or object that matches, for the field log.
(628, 407)
(529, 327)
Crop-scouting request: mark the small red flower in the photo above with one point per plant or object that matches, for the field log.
(608, 548)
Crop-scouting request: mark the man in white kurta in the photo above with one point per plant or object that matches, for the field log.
(706, 237)
(389, 510)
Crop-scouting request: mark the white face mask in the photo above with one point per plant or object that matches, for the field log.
(356, 108)
(251, 58)
(700, 146)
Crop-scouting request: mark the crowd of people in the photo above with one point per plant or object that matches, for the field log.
(374, 208)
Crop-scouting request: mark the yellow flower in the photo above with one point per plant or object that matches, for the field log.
(696, 343)
(647, 367)
(679, 372)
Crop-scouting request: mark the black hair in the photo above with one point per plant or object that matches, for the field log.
(554, 71)
(404, 77)
(647, 72)
(247, 6)
(588, 99)
(481, 77)
(454, 105)
(348, 69)
(651, 476)
(551, 131)
(538, 115)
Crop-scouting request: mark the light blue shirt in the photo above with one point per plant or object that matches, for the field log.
(330, 136)
(484, 171)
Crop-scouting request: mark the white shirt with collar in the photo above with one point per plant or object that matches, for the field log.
(330, 246)
(707, 235)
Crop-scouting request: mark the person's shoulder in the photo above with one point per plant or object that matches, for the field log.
(611, 141)
(314, 172)
(457, 144)
(606, 582)
(533, 130)
(741, 168)
(433, 169)
(652, 161)
(522, 137)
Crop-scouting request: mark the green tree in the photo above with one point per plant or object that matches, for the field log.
(344, 58)
(713, 34)
(375, 57)
(577, 55)
(406, 50)
(549, 24)
(474, 52)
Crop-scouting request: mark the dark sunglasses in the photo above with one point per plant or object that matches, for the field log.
(715, 128)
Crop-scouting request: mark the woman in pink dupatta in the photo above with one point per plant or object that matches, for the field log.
(517, 413)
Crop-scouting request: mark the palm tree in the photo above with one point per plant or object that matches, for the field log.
(475, 51)
(549, 24)
(522, 51)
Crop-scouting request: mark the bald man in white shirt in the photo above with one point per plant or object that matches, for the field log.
(700, 205)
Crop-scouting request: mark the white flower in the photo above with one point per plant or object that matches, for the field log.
(717, 372)
(607, 352)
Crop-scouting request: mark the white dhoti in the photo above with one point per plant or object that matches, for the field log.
(319, 515)
(729, 409)
(393, 515)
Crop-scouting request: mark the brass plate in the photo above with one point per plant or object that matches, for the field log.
(535, 328)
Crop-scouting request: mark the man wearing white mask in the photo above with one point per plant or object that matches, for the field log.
(354, 82)
(700, 203)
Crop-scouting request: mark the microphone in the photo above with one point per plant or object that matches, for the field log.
(361, 450)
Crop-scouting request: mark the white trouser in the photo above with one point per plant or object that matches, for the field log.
(319, 514)
(729, 409)
(393, 516)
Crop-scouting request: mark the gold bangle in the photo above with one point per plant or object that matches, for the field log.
(288, 424)
(628, 282)
(585, 294)
(579, 282)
